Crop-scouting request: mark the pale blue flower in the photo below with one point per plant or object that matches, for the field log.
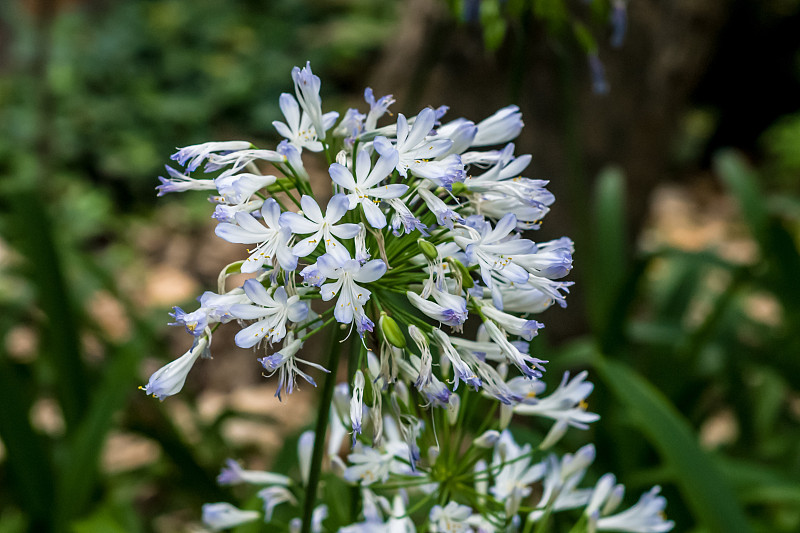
(461, 131)
(352, 297)
(239, 160)
(567, 403)
(239, 188)
(619, 22)
(598, 74)
(299, 129)
(323, 227)
(272, 239)
(272, 312)
(365, 188)
(178, 182)
(357, 404)
(169, 379)
(446, 308)
(219, 516)
(193, 156)
(646, 516)
(285, 363)
(411, 144)
(462, 370)
(307, 87)
(377, 108)
(233, 474)
(504, 125)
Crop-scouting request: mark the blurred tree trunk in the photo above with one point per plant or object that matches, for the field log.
(571, 132)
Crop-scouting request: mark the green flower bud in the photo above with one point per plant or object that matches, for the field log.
(428, 249)
(391, 331)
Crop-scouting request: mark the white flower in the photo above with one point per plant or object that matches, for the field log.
(299, 129)
(285, 363)
(219, 516)
(646, 516)
(169, 379)
(447, 308)
(369, 465)
(234, 474)
(411, 145)
(238, 188)
(514, 472)
(366, 185)
(272, 497)
(305, 449)
(567, 403)
(178, 182)
(323, 228)
(451, 518)
(493, 250)
(193, 156)
(357, 404)
(504, 125)
(306, 86)
(352, 297)
(527, 364)
(271, 311)
(272, 239)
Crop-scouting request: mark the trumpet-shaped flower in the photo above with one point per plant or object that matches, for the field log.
(193, 156)
(219, 516)
(646, 516)
(169, 379)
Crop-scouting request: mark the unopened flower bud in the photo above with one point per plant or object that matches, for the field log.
(391, 331)
(428, 250)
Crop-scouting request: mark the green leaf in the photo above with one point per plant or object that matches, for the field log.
(743, 183)
(27, 457)
(756, 483)
(607, 247)
(494, 25)
(703, 486)
(79, 475)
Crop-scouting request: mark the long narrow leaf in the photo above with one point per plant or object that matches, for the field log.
(703, 486)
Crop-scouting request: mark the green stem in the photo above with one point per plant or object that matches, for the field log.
(319, 435)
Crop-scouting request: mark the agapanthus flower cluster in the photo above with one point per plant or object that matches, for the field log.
(416, 245)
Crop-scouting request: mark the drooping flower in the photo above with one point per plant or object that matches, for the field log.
(169, 379)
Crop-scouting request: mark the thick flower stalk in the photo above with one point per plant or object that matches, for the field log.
(420, 254)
